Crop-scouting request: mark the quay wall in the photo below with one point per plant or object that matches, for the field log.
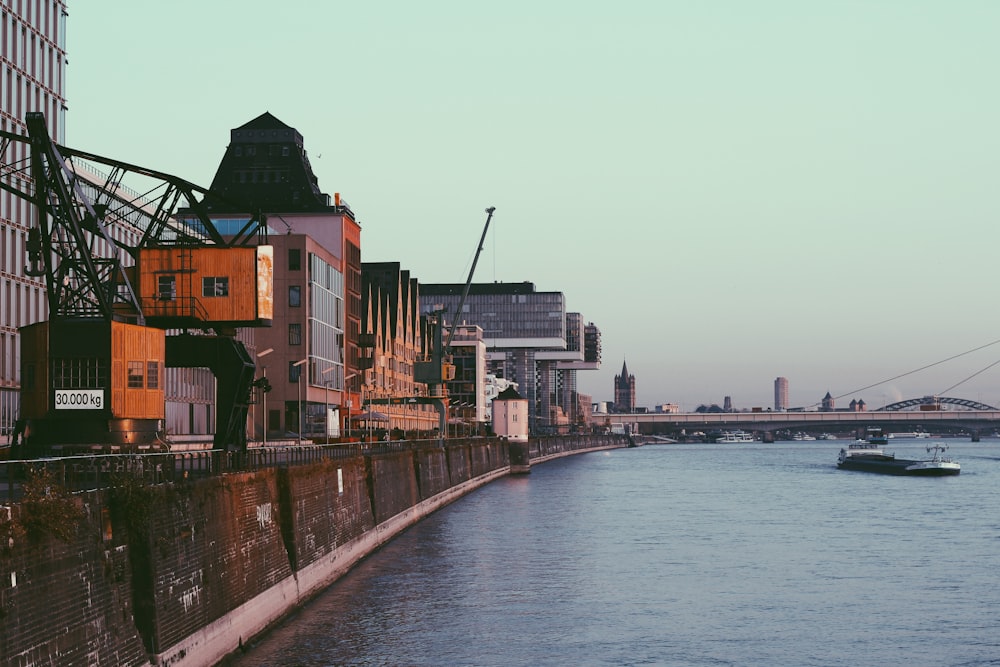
(186, 573)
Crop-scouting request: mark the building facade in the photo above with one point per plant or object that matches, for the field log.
(310, 353)
(32, 78)
(781, 394)
(467, 395)
(392, 340)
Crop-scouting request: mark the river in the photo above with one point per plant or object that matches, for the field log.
(760, 554)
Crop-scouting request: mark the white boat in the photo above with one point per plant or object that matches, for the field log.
(827, 436)
(802, 436)
(735, 437)
(910, 434)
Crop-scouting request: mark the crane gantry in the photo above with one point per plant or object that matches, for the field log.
(121, 268)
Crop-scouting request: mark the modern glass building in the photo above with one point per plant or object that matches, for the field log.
(530, 339)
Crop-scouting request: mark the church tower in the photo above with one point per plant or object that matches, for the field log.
(625, 391)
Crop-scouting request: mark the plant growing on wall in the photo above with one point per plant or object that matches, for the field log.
(47, 508)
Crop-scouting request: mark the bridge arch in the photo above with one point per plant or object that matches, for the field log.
(935, 400)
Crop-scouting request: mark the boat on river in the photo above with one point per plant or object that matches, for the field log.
(877, 436)
(870, 457)
(735, 437)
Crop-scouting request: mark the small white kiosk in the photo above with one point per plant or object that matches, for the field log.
(510, 422)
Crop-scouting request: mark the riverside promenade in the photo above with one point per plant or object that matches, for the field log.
(179, 559)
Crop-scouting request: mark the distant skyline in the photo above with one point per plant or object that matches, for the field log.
(731, 191)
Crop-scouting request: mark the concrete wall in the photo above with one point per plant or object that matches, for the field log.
(199, 568)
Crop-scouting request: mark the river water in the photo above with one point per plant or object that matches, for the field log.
(761, 554)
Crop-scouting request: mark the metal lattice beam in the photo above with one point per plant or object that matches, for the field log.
(916, 402)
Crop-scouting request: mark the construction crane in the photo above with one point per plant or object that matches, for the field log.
(439, 368)
(92, 374)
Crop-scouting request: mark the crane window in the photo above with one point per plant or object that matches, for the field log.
(135, 374)
(215, 286)
(166, 288)
(77, 373)
(152, 375)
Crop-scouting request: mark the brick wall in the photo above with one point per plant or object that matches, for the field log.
(215, 545)
(329, 507)
(393, 484)
(67, 602)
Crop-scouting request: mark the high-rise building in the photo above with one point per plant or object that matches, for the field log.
(625, 391)
(527, 342)
(781, 394)
(32, 78)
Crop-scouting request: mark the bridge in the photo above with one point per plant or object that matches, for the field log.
(971, 416)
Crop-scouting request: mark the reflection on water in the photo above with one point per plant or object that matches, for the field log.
(680, 555)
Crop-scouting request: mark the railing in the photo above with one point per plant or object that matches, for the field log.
(100, 471)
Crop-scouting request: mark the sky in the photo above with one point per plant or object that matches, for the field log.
(731, 191)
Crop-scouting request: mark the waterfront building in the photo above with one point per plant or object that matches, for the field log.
(312, 346)
(32, 78)
(467, 392)
(392, 341)
(625, 391)
(781, 394)
(510, 415)
(525, 333)
(828, 403)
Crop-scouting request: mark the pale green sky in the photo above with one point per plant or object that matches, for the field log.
(731, 191)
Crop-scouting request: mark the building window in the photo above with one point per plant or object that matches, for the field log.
(135, 374)
(166, 288)
(214, 286)
(294, 259)
(295, 334)
(294, 372)
(295, 296)
(152, 375)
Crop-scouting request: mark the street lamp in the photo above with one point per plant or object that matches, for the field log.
(370, 391)
(296, 365)
(326, 415)
(348, 427)
(263, 419)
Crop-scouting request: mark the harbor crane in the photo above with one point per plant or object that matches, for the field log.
(439, 368)
(121, 268)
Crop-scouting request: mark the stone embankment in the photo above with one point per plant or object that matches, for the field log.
(185, 573)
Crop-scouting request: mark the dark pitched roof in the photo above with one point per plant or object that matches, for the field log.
(265, 121)
(508, 394)
(266, 169)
